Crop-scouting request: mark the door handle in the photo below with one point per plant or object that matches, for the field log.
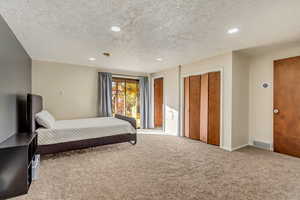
(275, 111)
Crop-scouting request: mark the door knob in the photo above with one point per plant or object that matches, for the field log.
(276, 111)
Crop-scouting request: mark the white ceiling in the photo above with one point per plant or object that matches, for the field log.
(179, 31)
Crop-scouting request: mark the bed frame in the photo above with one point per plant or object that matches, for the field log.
(35, 105)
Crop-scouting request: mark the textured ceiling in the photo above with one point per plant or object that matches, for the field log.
(179, 31)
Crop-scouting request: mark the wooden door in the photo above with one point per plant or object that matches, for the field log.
(214, 105)
(194, 107)
(286, 102)
(187, 107)
(158, 102)
(204, 108)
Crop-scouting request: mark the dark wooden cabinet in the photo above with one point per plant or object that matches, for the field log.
(16, 155)
(202, 107)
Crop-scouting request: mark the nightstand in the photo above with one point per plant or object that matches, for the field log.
(16, 155)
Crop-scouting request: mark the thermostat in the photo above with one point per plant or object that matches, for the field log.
(265, 85)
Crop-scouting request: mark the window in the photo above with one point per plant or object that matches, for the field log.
(126, 98)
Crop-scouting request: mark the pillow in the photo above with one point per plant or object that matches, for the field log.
(45, 119)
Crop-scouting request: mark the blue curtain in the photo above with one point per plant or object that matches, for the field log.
(144, 102)
(105, 94)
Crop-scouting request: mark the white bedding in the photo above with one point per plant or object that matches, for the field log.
(80, 129)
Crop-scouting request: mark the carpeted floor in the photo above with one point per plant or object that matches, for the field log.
(167, 167)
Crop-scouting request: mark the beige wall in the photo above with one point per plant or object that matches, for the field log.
(234, 69)
(261, 99)
(173, 88)
(171, 99)
(240, 100)
(69, 91)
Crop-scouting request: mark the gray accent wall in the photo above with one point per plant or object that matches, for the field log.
(15, 83)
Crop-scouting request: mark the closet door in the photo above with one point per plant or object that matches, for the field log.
(187, 107)
(194, 107)
(158, 102)
(204, 108)
(214, 104)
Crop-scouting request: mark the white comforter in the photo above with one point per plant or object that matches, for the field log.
(80, 129)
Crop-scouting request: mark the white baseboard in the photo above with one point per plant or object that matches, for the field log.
(239, 147)
(225, 148)
(235, 148)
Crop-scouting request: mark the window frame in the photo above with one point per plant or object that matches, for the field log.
(119, 80)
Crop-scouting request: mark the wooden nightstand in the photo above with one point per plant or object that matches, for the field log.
(16, 155)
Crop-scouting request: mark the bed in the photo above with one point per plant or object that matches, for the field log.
(69, 135)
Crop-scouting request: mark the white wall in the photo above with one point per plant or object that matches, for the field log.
(69, 91)
(261, 99)
(171, 99)
(240, 100)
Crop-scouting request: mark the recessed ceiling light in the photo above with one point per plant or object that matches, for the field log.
(92, 59)
(233, 30)
(115, 29)
(159, 59)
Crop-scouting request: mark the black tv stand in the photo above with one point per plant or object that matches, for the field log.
(16, 155)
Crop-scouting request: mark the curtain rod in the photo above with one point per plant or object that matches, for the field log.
(126, 75)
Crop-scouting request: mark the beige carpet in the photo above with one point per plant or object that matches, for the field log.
(167, 167)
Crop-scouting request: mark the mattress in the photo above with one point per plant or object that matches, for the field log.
(80, 129)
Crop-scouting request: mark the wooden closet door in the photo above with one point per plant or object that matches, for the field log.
(214, 104)
(187, 107)
(158, 102)
(204, 108)
(194, 107)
